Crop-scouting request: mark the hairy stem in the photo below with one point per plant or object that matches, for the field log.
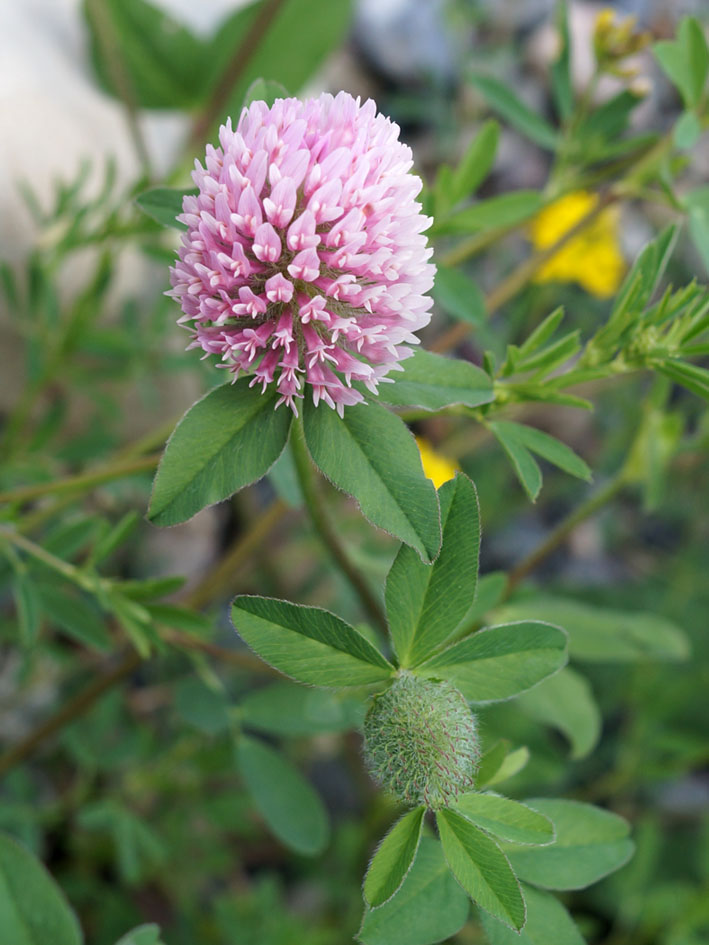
(325, 529)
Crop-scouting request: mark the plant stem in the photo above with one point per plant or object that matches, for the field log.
(268, 10)
(324, 528)
(565, 528)
(86, 480)
(519, 277)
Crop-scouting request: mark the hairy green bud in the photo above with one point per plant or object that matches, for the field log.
(421, 741)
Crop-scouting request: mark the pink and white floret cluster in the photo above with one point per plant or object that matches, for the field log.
(304, 262)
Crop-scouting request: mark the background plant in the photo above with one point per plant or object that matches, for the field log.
(153, 764)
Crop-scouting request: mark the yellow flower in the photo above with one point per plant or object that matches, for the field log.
(436, 467)
(593, 257)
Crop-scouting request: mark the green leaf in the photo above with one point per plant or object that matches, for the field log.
(490, 591)
(289, 51)
(114, 537)
(307, 643)
(74, 614)
(371, 455)
(181, 618)
(547, 922)
(544, 445)
(590, 843)
(285, 800)
(264, 90)
(164, 205)
(476, 163)
(138, 849)
(687, 131)
(503, 100)
(500, 662)
(501, 211)
(143, 935)
(28, 607)
(432, 381)
(33, 910)
(481, 868)
(505, 818)
(142, 54)
(285, 708)
(602, 635)
(499, 764)
(691, 376)
(227, 440)
(429, 907)
(697, 204)
(686, 60)
(523, 463)
(459, 296)
(202, 707)
(393, 858)
(566, 702)
(425, 603)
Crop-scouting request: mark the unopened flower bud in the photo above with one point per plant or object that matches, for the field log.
(421, 741)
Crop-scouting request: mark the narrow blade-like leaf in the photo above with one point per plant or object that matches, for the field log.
(500, 662)
(590, 843)
(227, 440)
(506, 818)
(433, 381)
(287, 802)
(481, 868)
(393, 858)
(425, 603)
(371, 455)
(308, 643)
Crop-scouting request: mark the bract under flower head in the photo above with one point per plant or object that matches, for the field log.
(304, 261)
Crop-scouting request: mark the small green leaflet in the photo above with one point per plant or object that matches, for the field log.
(433, 382)
(143, 935)
(476, 163)
(604, 635)
(425, 603)
(500, 662)
(371, 455)
(429, 907)
(28, 607)
(481, 868)
(393, 858)
(163, 204)
(505, 818)
(697, 204)
(691, 376)
(227, 440)
(503, 100)
(499, 764)
(590, 843)
(520, 441)
(287, 802)
(202, 707)
(33, 910)
(459, 296)
(308, 643)
(686, 60)
(264, 90)
(566, 702)
(547, 922)
(493, 213)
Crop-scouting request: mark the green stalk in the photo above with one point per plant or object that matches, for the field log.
(325, 529)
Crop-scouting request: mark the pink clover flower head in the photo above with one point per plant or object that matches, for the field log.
(304, 262)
